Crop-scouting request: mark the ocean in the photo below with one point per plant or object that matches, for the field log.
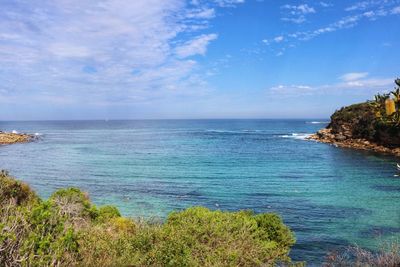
(330, 197)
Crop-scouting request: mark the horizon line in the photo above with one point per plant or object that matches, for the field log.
(163, 119)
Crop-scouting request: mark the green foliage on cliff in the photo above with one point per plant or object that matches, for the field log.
(14, 191)
(369, 120)
(381, 107)
(68, 230)
(359, 118)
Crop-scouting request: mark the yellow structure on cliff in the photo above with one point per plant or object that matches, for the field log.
(390, 106)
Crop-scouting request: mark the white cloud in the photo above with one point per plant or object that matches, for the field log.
(396, 10)
(351, 83)
(353, 76)
(297, 20)
(265, 41)
(297, 13)
(370, 4)
(197, 46)
(291, 90)
(205, 13)
(325, 4)
(278, 39)
(343, 23)
(360, 5)
(103, 51)
(228, 3)
(68, 50)
(300, 9)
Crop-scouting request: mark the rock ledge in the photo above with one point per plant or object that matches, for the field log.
(13, 138)
(327, 136)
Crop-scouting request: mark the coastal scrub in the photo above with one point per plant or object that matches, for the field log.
(68, 230)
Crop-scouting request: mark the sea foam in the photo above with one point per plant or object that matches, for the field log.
(300, 136)
(317, 122)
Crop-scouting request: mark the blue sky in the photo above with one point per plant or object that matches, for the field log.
(145, 59)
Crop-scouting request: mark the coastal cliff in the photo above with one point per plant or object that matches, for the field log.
(372, 125)
(13, 138)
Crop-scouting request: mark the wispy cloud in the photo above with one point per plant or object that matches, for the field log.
(196, 46)
(361, 5)
(352, 76)
(297, 13)
(350, 83)
(278, 39)
(101, 51)
(325, 4)
(396, 10)
(364, 5)
(202, 13)
(386, 8)
(228, 3)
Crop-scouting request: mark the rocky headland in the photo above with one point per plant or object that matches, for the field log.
(362, 126)
(13, 138)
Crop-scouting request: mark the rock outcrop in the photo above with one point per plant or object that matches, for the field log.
(12, 138)
(358, 127)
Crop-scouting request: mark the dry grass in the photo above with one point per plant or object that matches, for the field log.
(387, 256)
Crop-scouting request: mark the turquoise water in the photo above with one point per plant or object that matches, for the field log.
(331, 197)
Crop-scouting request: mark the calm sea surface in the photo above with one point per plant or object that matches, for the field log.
(331, 197)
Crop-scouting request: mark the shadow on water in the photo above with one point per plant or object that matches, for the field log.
(316, 249)
(387, 188)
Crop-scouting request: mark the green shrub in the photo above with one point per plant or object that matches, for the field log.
(201, 237)
(36, 235)
(67, 230)
(15, 191)
(108, 212)
(48, 239)
(74, 204)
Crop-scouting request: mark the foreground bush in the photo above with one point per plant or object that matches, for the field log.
(68, 230)
(13, 191)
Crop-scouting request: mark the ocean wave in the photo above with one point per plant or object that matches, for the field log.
(299, 136)
(236, 132)
(317, 122)
(15, 132)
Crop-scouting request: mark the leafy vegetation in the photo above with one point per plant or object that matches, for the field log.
(377, 121)
(387, 106)
(68, 230)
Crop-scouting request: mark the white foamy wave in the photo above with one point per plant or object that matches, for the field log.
(235, 132)
(299, 136)
(14, 132)
(38, 134)
(317, 122)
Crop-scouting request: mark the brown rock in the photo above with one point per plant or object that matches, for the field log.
(12, 138)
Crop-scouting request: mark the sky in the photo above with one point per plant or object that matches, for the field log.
(194, 59)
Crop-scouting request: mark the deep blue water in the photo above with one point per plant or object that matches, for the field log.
(331, 197)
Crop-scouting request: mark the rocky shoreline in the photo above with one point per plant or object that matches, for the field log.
(328, 136)
(13, 138)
